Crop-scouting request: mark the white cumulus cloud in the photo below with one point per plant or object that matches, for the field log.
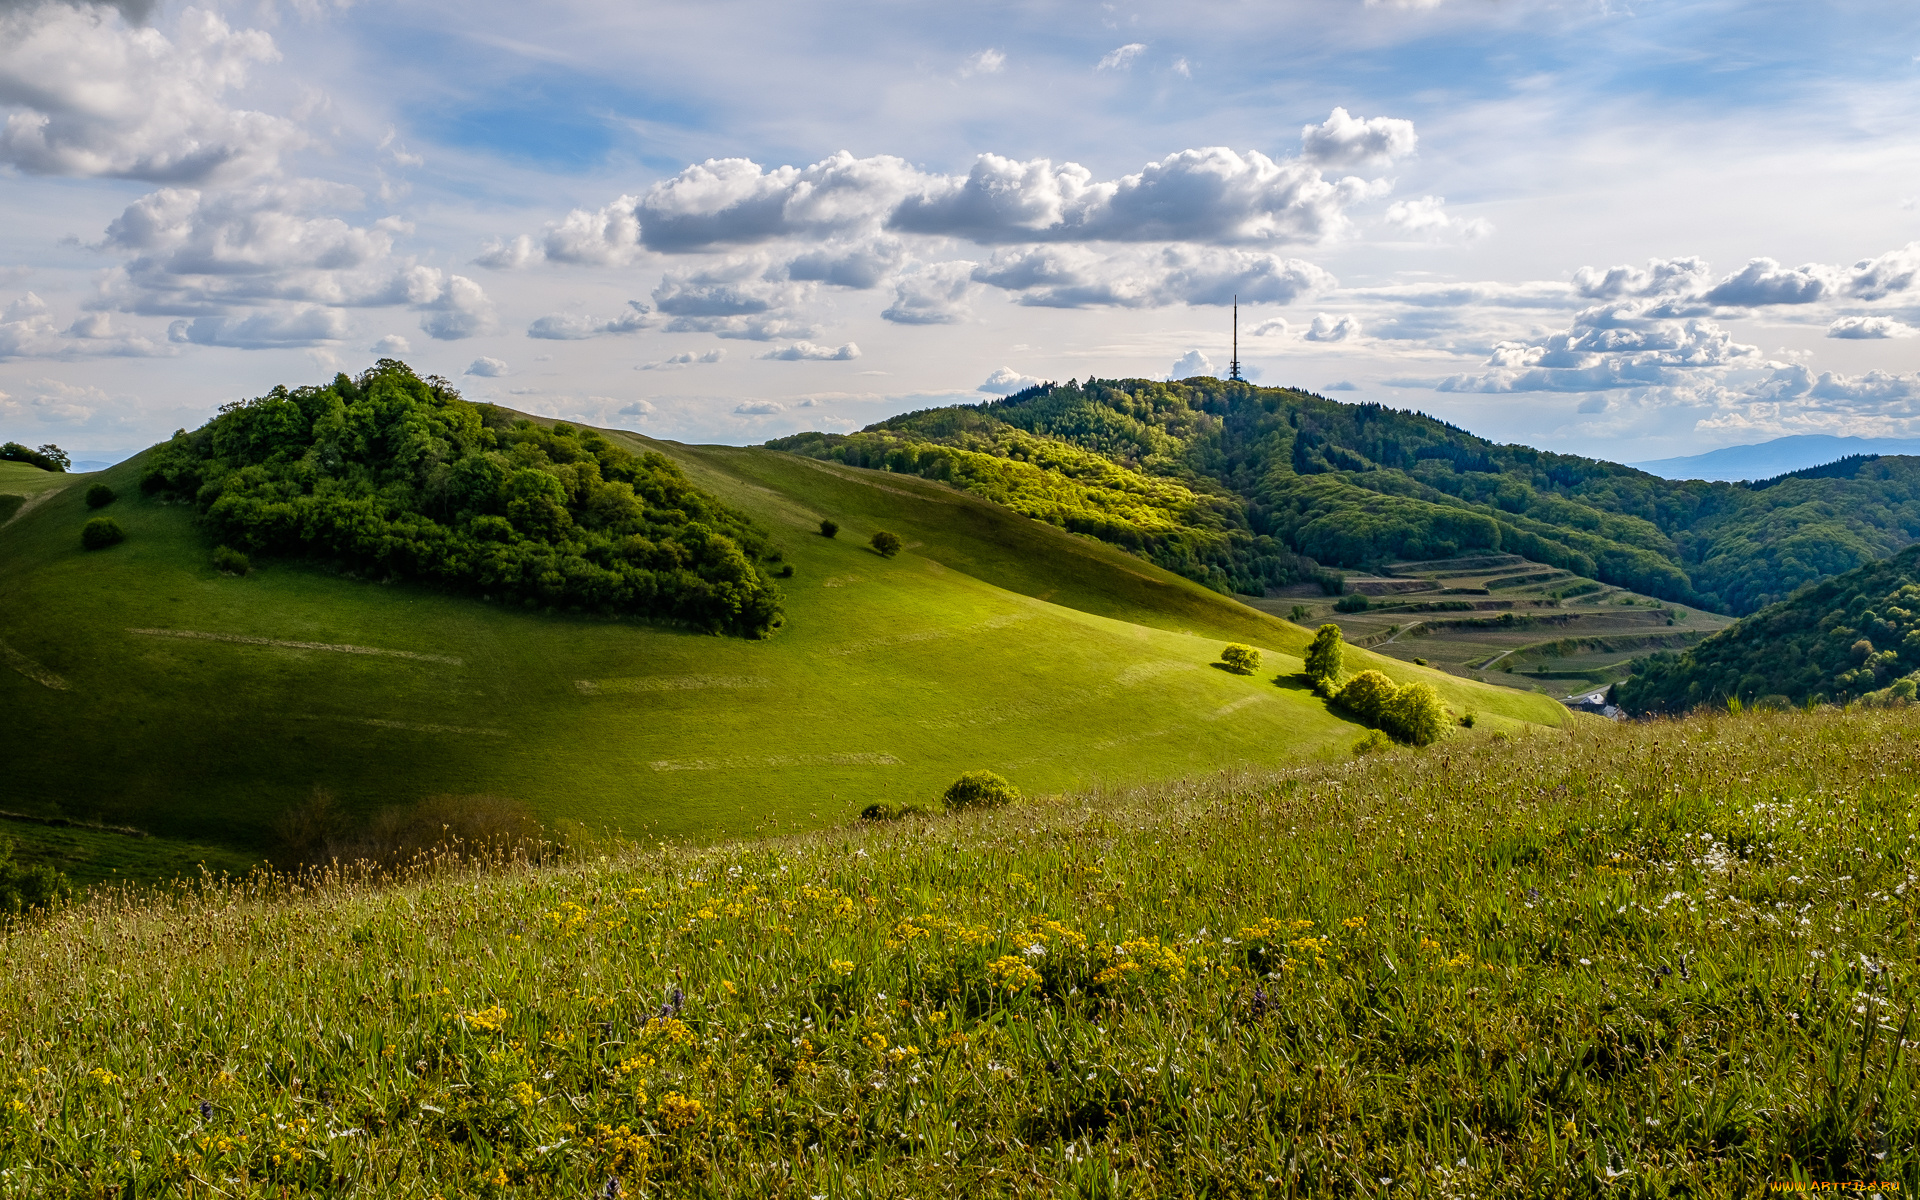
(934, 295)
(1866, 328)
(488, 368)
(1190, 364)
(1344, 140)
(574, 327)
(1121, 57)
(86, 92)
(759, 408)
(1005, 381)
(808, 352)
(1343, 328)
(305, 325)
(685, 359)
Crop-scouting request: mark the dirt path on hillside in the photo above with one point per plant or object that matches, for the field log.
(31, 669)
(244, 640)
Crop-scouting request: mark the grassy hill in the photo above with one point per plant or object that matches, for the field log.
(1662, 960)
(1249, 489)
(146, 688)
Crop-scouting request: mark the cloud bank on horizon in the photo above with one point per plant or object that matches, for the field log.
(212, 198)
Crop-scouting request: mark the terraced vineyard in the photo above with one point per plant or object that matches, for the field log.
(1501, 619)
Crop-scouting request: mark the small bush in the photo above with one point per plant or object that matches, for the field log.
(100, 533)
(1416, 714)
(1374, 740)
(24, 889)
(1323, 657)
(1298, 613)
(100, 495)
(828, 529)
(880, 811)
(1466, 722)
(1241, 660)
(229, 561)
(886, 543)
(1352, 603)
(786, 572)
(1367, 695)
(979, 789)
(1419, 662)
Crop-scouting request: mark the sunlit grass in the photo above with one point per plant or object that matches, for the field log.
(1659, 960)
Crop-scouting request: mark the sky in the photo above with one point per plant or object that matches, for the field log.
(1627, 230)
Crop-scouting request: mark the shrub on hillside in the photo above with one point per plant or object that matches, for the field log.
(47, 458)
(1413, 714)
(100, 495)
(1351, 603)
(1324, 656)
(886, 543)
(1373, 741)
(1241, 660)
(1416, 715)
(229, 561)
(979, 789)
(100, 533)
(24, 888)
(1367, 695)
(397, 475)
(828, 529)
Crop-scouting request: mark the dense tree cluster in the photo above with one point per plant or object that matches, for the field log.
(47, 458)
(398, 475)
(1245, 488)
(1855, 636)
(1413, 713)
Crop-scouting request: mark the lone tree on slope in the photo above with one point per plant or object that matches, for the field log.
(1323, 657)
(886, 543)
(1241, 660)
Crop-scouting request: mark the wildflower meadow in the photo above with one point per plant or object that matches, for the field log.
(1675, 958)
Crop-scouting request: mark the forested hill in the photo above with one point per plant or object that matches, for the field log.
(397, 475)
(1856, 636)
(1247, 487)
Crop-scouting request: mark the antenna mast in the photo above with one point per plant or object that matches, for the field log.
(1233, 370)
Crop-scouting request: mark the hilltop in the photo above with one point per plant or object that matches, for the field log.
(149, 688)
(1249, 488)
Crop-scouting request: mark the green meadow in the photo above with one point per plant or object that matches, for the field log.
(1660, 960)
(147, 689)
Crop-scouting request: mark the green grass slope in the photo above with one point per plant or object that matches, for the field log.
(1672, 959)
(143, 687)
(22, 484)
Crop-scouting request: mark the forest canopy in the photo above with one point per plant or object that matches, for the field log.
(1853, 637)
(393, 474)
(1246, 488)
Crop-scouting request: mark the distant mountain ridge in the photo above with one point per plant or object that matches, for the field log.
(1765, 460)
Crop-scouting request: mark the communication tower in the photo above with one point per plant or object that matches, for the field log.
(1233, 368)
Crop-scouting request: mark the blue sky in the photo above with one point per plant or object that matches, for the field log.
(1631, 230)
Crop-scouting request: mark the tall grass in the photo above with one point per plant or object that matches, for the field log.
(1671, 959)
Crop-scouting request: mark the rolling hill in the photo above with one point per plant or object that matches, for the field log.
(1853, 637)
(1248, 489)
(146, 688)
